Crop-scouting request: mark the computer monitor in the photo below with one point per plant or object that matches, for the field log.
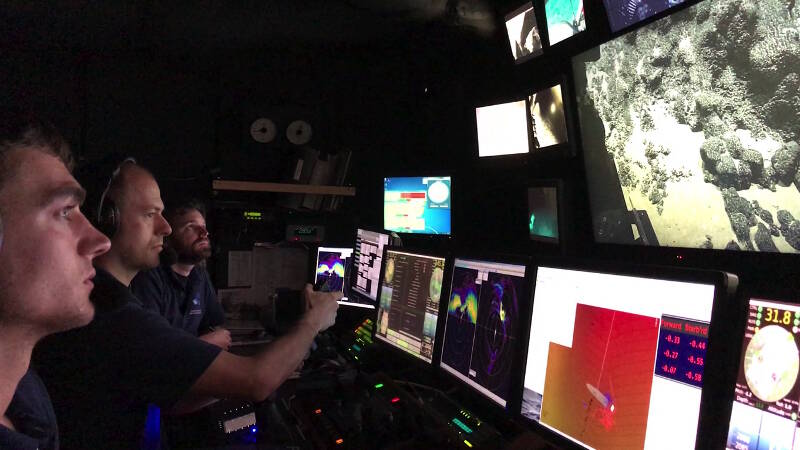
(767, 394)
(420, 205)
(367, 263)
(565, 18)
(482, 327)
(333, 270)
(547, 120)
(624, 13)
(408, 312)
(523, 33)
(502, 129)
(617, 360)
(693, 161)
(543, 212)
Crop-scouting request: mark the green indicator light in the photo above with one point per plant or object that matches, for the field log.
(462, 425)
(797, 313)
(379, 385)
(758, 315)
(468, 443)
(796, 322)
(758, 322)
(356, 347)
(759, 309)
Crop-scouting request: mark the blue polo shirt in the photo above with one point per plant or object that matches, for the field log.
(32, 414)
(101, 377)
(188, 303)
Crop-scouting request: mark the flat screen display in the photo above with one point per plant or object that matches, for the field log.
(408, 312)
(543, 214)
(523, 33)
(565, 19)
(767, 399)
(625, 13)
(481, 334)
(690, 133)
(617, 361)
(417, 205)
(368, 261)
(502, 129)
(333, 270)
(548, 123)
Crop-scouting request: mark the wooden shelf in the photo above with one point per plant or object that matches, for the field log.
(254, 186)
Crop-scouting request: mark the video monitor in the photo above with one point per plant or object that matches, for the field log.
(624, 13)
(617, 361)
(482, 326)
(333, 270)
(688, 131)
(418, 205)
(523, 33)
(767, 395)
(408, 312)
(565, 19)
(367, 263)
(543, 214)
(548, 123)
(502, 129)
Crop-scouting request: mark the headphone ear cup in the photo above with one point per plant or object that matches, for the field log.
(108, 218)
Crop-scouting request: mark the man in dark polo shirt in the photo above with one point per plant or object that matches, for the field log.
(179, 289)
(103, 376)
(46, 252)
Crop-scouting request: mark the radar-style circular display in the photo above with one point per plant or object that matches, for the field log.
(438, 192)
(771, 363)
(435, 288)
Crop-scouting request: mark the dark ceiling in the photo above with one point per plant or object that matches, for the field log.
(181, 26)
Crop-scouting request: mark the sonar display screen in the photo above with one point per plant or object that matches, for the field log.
(368, 261)
(417, 205)
(408, 312)
(482, 325)
(767, 393)
(333, 270)
(617, 361)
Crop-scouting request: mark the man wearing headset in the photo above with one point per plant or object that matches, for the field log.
(103, 376)
(46, 252)
(179, 289)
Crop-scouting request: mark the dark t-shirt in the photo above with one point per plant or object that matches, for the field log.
(102, 376)
(188, 303)
(32, 414)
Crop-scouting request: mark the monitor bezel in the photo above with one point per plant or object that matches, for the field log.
(437, 343)
(353, 291)
(558, 184)
(517, 11)
(726, 311)
(512, 402)
(415, 174)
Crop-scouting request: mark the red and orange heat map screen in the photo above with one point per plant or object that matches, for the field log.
(617, 362)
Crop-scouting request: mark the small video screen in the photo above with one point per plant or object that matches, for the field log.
(707, 160)
(607, 369)
(565, 19)
(625, 13)
(333, 270)
(408, 311)
(367, 263)
(767, 394)
(548, 123)
(502, 129)
(481, 334)
(543, 214)
(419, 205)
(523, 33)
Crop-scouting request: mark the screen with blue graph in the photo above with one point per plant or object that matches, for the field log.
(417, 205)
(481, 333)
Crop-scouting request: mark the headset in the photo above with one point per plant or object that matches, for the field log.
(107, 220)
